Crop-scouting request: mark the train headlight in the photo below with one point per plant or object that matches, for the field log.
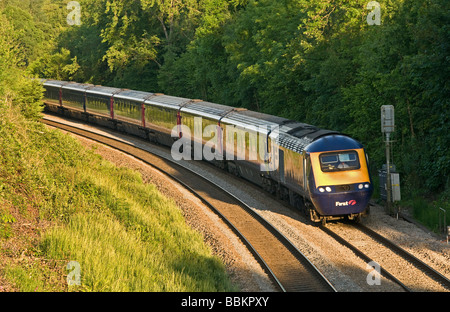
(360, 186)
(328, 189)
(367, 185)
(321, 189)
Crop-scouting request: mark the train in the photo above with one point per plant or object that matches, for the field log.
(323, 173)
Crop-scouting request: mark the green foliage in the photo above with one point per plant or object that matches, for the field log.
(98, 211)
(319, 62)
(58, 65)
(16, 48)
(429, 212)
(124, 233)
(405, 63)
(314, 61)
(28, 36)
(5, 224)
(128, 237)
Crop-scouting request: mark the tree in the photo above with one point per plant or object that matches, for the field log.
(15, 88)
(404, 63)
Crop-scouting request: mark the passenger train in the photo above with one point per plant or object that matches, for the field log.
(324, 173)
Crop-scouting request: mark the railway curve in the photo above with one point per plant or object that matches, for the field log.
(289, 269)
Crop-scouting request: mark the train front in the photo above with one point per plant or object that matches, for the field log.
(339, 181)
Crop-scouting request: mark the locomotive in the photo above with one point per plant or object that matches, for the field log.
(324, 173)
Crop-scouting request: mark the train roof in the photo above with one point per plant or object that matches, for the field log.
(101, 90)
(207, 109)
(242, 119)
(53, 83)
(168, 101)
(262, 116)
(133, 95)
(77, 86)
(335, 142)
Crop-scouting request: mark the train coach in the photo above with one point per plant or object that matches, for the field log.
(322, 172)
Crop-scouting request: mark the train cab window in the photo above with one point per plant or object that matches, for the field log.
(330, 162)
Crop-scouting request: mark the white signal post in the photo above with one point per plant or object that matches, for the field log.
(387, 127)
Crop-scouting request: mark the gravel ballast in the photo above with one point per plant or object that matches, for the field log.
(340, 265)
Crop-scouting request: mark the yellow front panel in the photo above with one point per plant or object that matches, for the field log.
(360, 175)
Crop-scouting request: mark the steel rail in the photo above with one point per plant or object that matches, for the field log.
(316, 282)
(419, 264)
(363, 256)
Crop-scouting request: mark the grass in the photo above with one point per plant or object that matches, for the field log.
(60, 202)
(424, 207)
(141, 242)
(428, 211)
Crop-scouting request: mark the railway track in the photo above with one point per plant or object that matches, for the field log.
(422, 266)
(398, 257)
(288, 268)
